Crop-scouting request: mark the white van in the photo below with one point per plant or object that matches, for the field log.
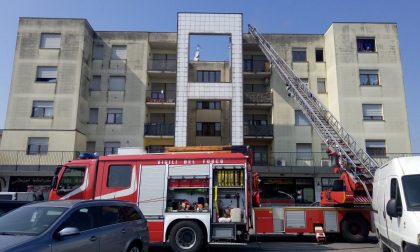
(396, 204)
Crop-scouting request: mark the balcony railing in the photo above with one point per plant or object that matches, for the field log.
(258, 130)
(162, 65)
(257, 66)
(315, 159)
(160, 96)
(159, 129)
(258, 97)
(14, 160)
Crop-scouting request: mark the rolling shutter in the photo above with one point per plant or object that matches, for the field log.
(152, 191)
(50, 40)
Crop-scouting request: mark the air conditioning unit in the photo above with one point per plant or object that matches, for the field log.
(325, 162)
(281, 162)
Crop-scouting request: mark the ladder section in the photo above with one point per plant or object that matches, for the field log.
(352, 158)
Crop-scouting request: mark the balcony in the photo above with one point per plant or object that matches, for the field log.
(257, 68)
(162, 68)
(261, 99)
(160, 98)
(159, 130)
(258, 131)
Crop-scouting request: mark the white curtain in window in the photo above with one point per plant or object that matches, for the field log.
(50, 40)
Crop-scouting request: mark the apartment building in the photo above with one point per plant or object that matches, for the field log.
(76, 89)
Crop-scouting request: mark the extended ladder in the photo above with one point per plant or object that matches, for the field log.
(353, 160)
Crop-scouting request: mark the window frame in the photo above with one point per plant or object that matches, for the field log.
(361, 39)
(318, 87)
(208, 129)
(382, 152)
(372, 118)
(112, 117)
(370, 83)
(299, 50)
(210, 105)
(44, 109)
(115, 47)
(46, 80)
(39, 150)
(316, 55)
(114, 150)
(216, 75)
(49, 33)
(101, 50)
(301, 117)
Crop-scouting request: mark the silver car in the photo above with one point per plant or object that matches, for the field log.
(93, 225)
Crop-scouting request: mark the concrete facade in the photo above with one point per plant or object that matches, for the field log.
(157, 99)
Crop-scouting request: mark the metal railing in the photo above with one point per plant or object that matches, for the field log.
(162, 65)
(258, 130)
(22, 158)
(160, 96)
(258, 97)
(159, 129)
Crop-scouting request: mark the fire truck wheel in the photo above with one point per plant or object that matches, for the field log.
(186, 236)
(354, 228)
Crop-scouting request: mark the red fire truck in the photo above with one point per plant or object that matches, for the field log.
(195, 197)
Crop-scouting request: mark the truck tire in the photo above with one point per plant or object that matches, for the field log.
(186, 236)
(354, 228)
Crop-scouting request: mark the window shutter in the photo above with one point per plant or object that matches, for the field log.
(373, 110)
(47, 72)
(375, 144)
(50, 40)
(119, 52)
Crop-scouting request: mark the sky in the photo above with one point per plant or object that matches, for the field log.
(270, 16)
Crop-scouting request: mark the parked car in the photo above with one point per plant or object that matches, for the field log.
(9, 205)
(396, 204)
(93, 225)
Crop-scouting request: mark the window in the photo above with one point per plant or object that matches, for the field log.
(91, 146)
(114, 116)
(208, 76)
(83, 219)
(129, 213)
(119, 52)
(395, 193)
(304, 151)
(93, 116)
(46, 74)
(257, 88)
(305, 80)
(37, 145)
(95, 84)
(208, 129)
(256, 63)
(98, 52)
(72, 178)
(119, 176)
(369, 77)
(327, 183)
(321, 86)
(116, 83)
(365, 44)
(319, 55)
(376, 148)
(260, 155)
(155, 149)
(50, 40)
(111, 147)
(208, 105)
(42, 109)
(301, 119)
(255, 119)
(299, 54)
(110, 215)
(372, 112)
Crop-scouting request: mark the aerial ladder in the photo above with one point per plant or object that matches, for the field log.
(354, 188)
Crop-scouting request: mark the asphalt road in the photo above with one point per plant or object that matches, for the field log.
(290, 243)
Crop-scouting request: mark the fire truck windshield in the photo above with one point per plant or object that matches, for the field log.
(72, 178)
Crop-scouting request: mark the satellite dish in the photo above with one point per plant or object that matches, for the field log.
(197, 54)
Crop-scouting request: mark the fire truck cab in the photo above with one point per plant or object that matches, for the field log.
(188, 198)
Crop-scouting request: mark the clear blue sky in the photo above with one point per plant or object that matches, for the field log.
(277, 16)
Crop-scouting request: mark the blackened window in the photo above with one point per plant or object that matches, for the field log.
(366, 45)
(119, 176)
(299, 54)
(208, 76)
(208, 129)
(208, 105)
(319, 55)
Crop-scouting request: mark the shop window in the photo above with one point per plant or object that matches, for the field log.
(91, 146)
(208, 76)
(93, 115)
